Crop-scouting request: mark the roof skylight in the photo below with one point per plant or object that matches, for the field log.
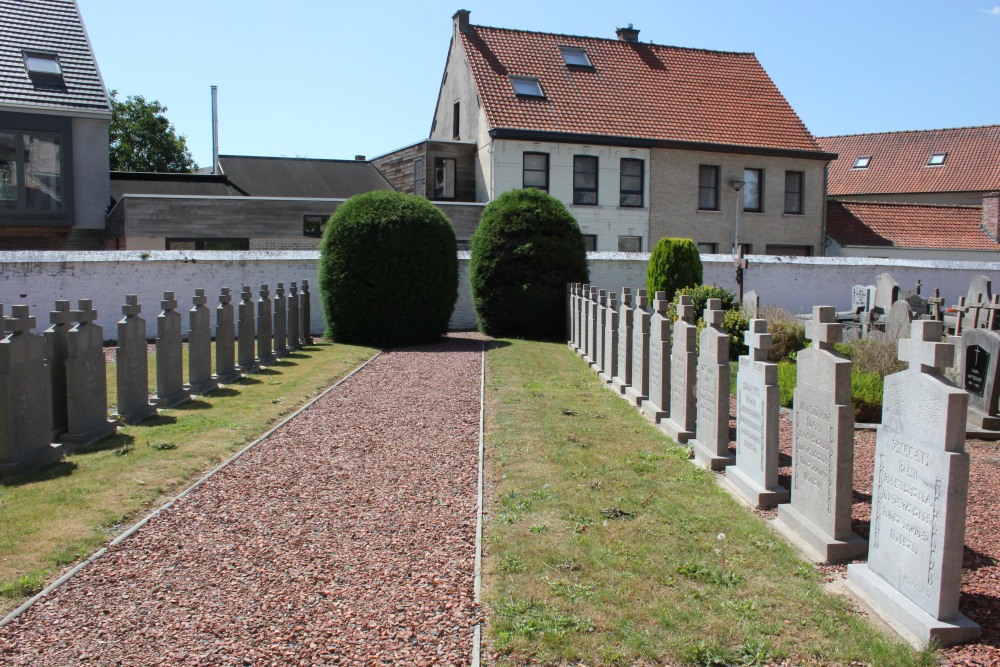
(575, 56)
(38, 62)
(937, 159)
(862, 162)
(528, 86)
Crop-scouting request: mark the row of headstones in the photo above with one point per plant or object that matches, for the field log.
(913, 572)
(53, 386)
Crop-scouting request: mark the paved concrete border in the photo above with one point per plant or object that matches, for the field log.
(477, 632)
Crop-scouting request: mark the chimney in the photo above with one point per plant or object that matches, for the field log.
(360, 158)
(215, 129)
(628, 34)
(461, 19)
(991, 214)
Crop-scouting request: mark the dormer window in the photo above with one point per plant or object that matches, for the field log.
(937, 159)
(40, 63)
(575, 57)
(862, 162)
(527, 86)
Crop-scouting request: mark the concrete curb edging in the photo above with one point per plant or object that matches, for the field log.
(477, 632)
(45, 592)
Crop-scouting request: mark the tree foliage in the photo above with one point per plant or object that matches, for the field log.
(142, 139)
(674, 263)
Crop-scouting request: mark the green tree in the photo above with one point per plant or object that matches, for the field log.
(142, 139)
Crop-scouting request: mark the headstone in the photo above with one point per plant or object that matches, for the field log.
(225, 339)
(980, 352)
(859, 299)
(886, 292)
(55, 352)
(980, 290)
(638, 391)
(683, 375)
(132, 365)
(961, 309)
(292, 304)
(86, 380)
(754, 477)
(200, 379)
(623, 378)
(657, 406)
(584, 319)
(610, 369)
(25, 397)
(991, 319)
(305, 309)
(592, 327)
(818, 520)
(751, 304)
(898, 324)
(246, 332)
(280, 322)
(170, 389)
(574, 339)
(914, 571)
(264, 324)
(869, 316)
(602, 322)
(711, 441)
(569, 313)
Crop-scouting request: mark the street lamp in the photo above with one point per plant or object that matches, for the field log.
(738, 260)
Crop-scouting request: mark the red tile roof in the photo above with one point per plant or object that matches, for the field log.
(899, 161)
(907, 225)
(633, 90)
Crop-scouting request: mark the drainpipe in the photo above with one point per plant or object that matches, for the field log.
(822, 238)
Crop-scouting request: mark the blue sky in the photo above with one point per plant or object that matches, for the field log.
(329, 79)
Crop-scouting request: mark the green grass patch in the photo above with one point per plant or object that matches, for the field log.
(605, 545)
(60, 514)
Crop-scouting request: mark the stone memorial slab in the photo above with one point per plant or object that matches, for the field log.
(200, 379)
(683, 375)
(638, 390)
(860, 299)
(225, 340)
(602, 322)
(132, 365)
(294, 342)
(751, 304)
(246, 332)
(584, 307)
(280, 321)
(886, 292)
(170, 389)
(569, 312)
(25, 397)
(623, 378)
(305, 309)
(898, 324)
(711, 441)
(980, 353)
(55, 351)
(657, 406)
(754, 477)
(265, 322)
(574, 338)
(914, 571)
(592, 327)
(610, 369)
(980, 290)
(86, 380)
(818, 520)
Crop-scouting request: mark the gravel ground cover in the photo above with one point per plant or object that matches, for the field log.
(980, 599)
(345, 538)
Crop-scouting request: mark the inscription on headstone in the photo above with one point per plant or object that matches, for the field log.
(683, 379)
(638, 391)
(978, 362)
(711, 441)
(610, 369)
(657, 406)
(623, 378)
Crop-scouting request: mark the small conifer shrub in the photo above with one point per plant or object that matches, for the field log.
(673, 264)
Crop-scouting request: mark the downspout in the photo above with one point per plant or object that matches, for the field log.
(493, 172)
(822, 238)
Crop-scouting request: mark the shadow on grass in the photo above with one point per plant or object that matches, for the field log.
(267, 371)
(115, 441)
(52, 471)
(193, 404)
(246, 380)
(158, 420)
(224, 392)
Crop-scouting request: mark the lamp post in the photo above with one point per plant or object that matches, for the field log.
(738, 260)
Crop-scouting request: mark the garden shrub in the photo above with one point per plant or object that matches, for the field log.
(700, 294)
(673, 264)
(866, 392)
(788, 379)
(525, 250)
(788, 333)
(877, 354)
(735, 323)
(388, 272)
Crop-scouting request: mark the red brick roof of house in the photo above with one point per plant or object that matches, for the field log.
(634, 89)
(852, 223)
(899, 161)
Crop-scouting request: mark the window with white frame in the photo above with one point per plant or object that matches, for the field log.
(632, 180)
(585, 180)
(535, 171)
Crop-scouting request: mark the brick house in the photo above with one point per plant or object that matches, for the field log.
(639, 140)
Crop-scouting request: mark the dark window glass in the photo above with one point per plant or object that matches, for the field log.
(793, 191)
(629, 244)
(753, 190)
(527, 86)
(708, 248)
(631, 182)
(31, 171)
(314, 225)
(536, 171)
(207, 244)
(789, 250)
(590, 242)
(444, 178)
(455, 124)
(585, 180)
(708, 187)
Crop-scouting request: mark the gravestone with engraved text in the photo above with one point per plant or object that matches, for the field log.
(657, 406)
(638, 390)
(711, 441)
(132, 365)
(170, 389)
(623, 378)
(86, 380)
(979, 357)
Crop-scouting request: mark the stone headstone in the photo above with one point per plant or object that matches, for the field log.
(265, 322)
(305, 310)
(754, 477)
(280, 321)
(602, 323)
(225, 339)
(818, 520)
(592, 327)
(980, 352)
(574, 341)
(859, 299)
(711, 441)
(25, 397)
(610, 369)
(657, 406)
(246, 332)
(294, 342)
(980, 290)
(638, 391)
(200, 379)
(170, 389)
(914, 571)
(132, 365)
(584, 307)
(751, 304)
(683, 375)
(623, 378)
(935, 305)
(886, 292)
(86, 380)
(898, 324)
(55, 352)
(991, 318)
(569, 313)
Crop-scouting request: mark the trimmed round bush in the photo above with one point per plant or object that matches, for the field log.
(673, 264)
(388, 273)
(527, 247)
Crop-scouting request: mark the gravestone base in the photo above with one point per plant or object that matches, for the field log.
(227, 378)
(178, 397)
(708, 459)
(675, 431)
(605, 378)
(36, 459)
(84, 438)
(205, 387)
(618, 386)
(139, 414)
(812, 542)
(911, 622)
(633, 396)
(978, 420)
(652, 414)
(749, 491)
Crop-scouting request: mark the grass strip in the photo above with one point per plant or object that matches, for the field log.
(58, 515)
(605, 545)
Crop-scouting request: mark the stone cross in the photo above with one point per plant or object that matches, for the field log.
(20, 320)
(991, 320)
(925, 349)
(657, 406)
(823, 329)
(936, 303)
(757, 340)
(638, 391)
(305, 307)
(55, 351)
(200, 379)
(280, 321)
(225, 339)
(170, 389)
(960, 310)
(293, 316)
(86, 381)
(683, 418)
(132, 365)
(711, 442)
(131, 307)
(246, 332)
(265, 322)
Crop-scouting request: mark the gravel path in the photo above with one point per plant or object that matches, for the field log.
(346, 538)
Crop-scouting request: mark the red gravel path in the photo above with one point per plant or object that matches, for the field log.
(346, 538)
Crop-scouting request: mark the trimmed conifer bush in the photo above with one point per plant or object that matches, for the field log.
(674, 263)
(527, 247)
(388, 271)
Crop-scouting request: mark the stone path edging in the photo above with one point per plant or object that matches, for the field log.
(477, 632)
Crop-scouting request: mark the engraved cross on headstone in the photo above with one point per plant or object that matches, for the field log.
(924, 347)
(936, 302)
(62, 314)
(131, 307)
(714, 315)
(685, 309)
(85, 313)
(823, 329)
(199, 298)
(20, 320)
(757, 340)
(168, 302)
(225, 296)
(246, 294)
